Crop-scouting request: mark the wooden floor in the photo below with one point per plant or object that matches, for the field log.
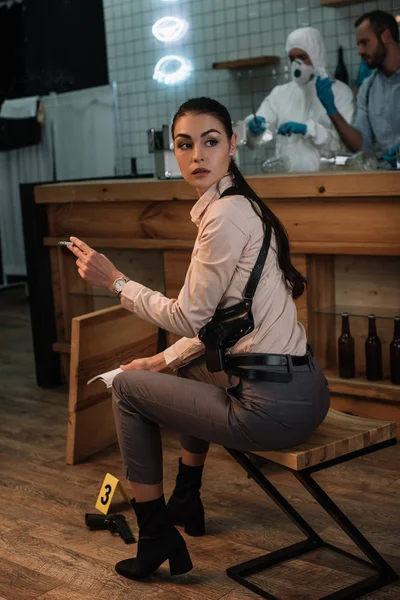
(47, 552)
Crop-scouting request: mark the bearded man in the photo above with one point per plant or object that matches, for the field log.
(377, 122)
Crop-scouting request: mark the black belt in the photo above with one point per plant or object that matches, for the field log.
(237, 364)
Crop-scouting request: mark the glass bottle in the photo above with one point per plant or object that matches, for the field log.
(373, 352)
(395, 353)
(346, 356)
(341, 72)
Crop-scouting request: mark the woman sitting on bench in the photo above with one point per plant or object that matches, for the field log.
(247, 379)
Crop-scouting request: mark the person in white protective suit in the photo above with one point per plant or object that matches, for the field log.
(294, 112)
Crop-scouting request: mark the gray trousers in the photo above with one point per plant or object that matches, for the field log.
(207, 407)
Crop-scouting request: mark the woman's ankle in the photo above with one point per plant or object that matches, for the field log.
(143, 492)
(191, 459)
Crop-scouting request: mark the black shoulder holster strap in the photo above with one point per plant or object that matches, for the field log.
(229, 325)
(262, 257)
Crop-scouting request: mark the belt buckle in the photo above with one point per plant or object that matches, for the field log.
(286, 361)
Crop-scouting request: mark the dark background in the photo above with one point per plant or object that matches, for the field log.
(51, 46)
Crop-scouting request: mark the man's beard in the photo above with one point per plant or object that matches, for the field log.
(378, 57)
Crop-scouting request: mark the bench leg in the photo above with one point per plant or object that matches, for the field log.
(383, 575)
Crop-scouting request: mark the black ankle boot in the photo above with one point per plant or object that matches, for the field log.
(185, 506)
(158, 541)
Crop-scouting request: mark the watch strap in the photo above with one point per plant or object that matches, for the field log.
(124, 279)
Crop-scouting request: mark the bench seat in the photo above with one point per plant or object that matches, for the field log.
(337, 436)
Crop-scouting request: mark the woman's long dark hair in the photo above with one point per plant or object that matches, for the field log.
(293, 277)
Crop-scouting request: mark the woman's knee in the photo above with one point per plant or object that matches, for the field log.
(118, 384)
(123, 387)
(132, 387)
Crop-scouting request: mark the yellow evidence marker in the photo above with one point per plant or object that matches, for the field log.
(107, 491)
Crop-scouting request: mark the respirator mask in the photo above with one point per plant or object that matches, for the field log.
(301, 73)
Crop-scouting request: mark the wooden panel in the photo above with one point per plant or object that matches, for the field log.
(358, 248)
(62, 347)
(368, 281)
(383, 390)
(136, 220)
(247, 63)
(291, 185)
(321, 294)
(100, 341)
(369, 408)
(337, 436)
(351, 185)
(341, 221)
(57, 296)
(131, 243)
(298, 247)
(108, 190)
(337, 3)
(331, 223)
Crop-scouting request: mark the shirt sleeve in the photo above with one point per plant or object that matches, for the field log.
(325, 136)
(361, 121)
(183, 351)
(219, 246)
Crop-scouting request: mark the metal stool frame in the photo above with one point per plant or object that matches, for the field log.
(383, 572)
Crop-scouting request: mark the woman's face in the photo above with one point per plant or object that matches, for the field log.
(202, 149)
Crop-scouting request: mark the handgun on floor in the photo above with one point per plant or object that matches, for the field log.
(115, 523)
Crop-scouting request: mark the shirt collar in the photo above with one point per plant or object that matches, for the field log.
(212, 194)
(391, 77)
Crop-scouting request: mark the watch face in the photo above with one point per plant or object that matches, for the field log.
(118, 285)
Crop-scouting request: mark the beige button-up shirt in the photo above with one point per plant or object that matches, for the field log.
(228, 242)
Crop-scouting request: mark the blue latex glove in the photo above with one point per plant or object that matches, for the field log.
(292, 127)
(257, 126)
(391, 157)
(325, 94)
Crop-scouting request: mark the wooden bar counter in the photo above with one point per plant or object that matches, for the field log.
(344, 230)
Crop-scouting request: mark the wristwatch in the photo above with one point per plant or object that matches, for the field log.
(119, 284)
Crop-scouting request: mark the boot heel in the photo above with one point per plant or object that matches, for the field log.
(195, 529)
(179, 562)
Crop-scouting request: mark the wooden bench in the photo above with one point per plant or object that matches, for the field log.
(341, 437)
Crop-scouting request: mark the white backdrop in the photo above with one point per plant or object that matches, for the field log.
(79, 135)
(84, 130)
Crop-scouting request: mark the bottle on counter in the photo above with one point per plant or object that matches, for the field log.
(346, 356)
(373, 352)
(395, 353)
(365, 160)
(341, 72)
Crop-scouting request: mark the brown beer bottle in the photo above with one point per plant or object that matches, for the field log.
(395, 353)
(373, 352)
(346, 356)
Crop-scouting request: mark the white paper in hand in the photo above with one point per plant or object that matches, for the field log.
(107, 377)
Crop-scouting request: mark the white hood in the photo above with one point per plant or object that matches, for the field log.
(310, 40)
